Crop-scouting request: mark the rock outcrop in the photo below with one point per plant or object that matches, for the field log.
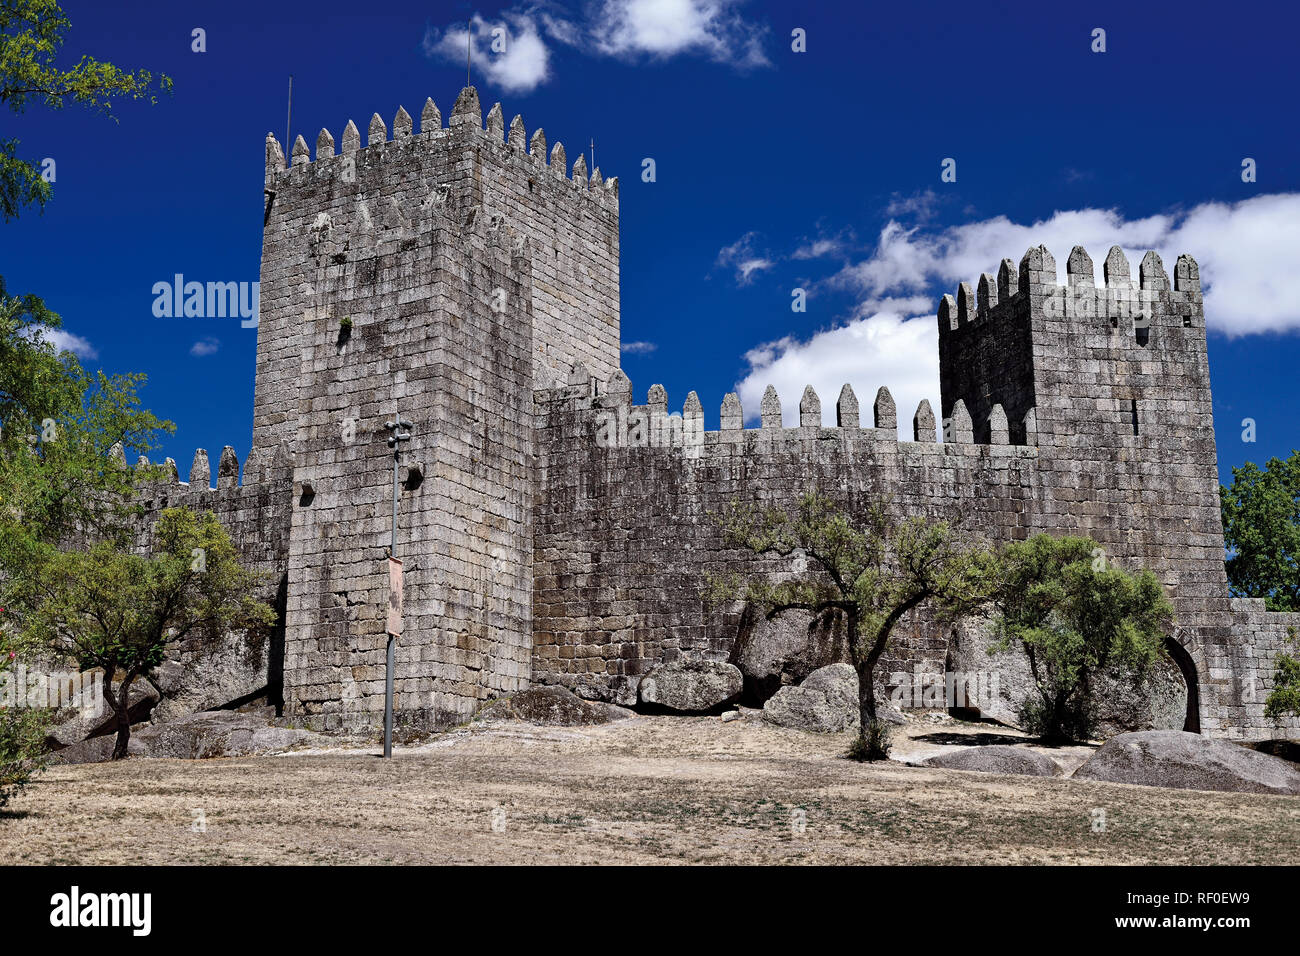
(691, 686)
(1172, 758)
(997, 758)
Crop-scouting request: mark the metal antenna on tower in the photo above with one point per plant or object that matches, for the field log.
(593, 154)
(288, 118)
(469, 44)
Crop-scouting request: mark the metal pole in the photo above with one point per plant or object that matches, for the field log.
(288, 120)
(396, 425)
(392, 641)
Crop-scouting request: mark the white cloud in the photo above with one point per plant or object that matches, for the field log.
(519, 62)
(638, 348)
(883, 348)
(627, 29)
(665, 28)
(203, 347)
(742, 257)
(1245, 251)
(65, 341)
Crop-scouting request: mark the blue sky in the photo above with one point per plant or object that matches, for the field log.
(775, 170)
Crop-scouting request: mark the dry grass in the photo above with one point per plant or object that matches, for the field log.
(647, 790)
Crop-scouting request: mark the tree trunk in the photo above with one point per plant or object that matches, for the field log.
(122, 710)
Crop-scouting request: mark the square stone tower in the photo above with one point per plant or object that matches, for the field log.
(439, 275)
(1112, 385)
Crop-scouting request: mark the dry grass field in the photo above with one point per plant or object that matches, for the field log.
(644, 790)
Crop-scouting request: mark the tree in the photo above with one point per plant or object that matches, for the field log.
(1284, 698)
(22, 729)
(871, 573)
(1261, 532)
(31, 36)
(121, 611)
(1074, 613)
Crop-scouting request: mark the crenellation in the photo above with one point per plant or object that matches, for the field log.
(769, 409)
(966, 310)
(846, 408)
(430, 117)
(923, 424)
(377, 134)
(402, 124)
(466, 111)
(351, 139)
(496, 124)
(1153, 277)
(200, 471)
(885, 413)
(324, 145)
(301, 154)
(986, 295)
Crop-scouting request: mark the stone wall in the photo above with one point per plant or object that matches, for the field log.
(1110, 435)
(624, 538)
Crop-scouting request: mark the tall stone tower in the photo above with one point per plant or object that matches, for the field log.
(1112, 384)
(440, 275)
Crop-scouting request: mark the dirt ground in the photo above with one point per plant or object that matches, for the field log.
(643, 790)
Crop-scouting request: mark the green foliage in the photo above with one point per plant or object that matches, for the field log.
(22, 728)
(31, 35)
(57, 426)
(873, 742)
(865, 567)
(22, 748)
(1074, 613)
(120, 611)
(1261, 532)
(1284, 698)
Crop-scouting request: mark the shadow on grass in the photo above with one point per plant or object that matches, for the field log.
(983, 740)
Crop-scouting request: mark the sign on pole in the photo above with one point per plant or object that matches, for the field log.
(395, 597)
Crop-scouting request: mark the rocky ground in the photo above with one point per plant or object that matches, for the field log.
(662, 789)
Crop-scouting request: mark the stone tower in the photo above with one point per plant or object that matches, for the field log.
(441, 275)
(1112, 383)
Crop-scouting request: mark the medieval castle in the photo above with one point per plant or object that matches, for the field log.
(464, 280)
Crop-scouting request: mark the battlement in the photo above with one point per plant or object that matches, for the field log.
(617, 422)
(262, 471)
(1121, 302)
(466, 128)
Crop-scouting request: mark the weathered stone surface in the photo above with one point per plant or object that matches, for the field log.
(219, 733)
(203, 675)
(691, 686)
(786, 649)
(1172, 758)
(827, 702)
(553, 706)
(997, 758)
(1159, 702)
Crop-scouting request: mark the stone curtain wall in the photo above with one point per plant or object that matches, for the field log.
(256, 514)
(623, 537)
(570, 222)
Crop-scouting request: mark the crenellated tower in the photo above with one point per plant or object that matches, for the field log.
(441, 275)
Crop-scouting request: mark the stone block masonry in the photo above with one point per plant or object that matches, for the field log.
(552, 530)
